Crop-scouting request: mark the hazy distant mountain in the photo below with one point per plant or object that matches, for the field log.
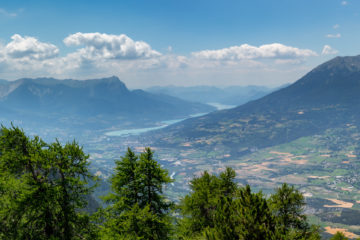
(233, 95)
(108, 97)
(326, 97)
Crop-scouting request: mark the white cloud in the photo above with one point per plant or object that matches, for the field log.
(106, 46)
(344, 3)
(328, 50)
(26, 48)
(102, 55)
(138, 64)
(7, 14)
(336, 26)
(248, 52)
(338, 35)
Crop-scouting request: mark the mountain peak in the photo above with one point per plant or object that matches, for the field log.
(113, 83)
(112, 79)
(347, 63)
(336, 81)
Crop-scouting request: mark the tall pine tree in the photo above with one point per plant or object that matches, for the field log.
(138, 207)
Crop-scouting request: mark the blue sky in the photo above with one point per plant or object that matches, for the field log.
(165, 42)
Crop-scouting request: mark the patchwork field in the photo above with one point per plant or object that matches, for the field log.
(325, 168)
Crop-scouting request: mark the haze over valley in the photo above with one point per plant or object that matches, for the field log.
(269, 90)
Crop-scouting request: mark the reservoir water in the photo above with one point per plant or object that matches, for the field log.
(137, 131)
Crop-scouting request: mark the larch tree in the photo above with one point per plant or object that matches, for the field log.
(138, 208)
(43, 188)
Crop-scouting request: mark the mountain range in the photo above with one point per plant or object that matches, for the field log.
(48, 99)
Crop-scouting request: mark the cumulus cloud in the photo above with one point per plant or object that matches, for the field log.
(328, 50)
(107, 46)
(100, 55)
(338, 35)
(344, 3)
(27, 48)
(336, 26)
(248, 52)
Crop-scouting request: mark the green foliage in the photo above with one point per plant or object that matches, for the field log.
(225, 225)
(218, 209)
(339, 236)
(138, 208)
(287, 205)
(131, 224)
(198, 207)
(151, 181)
(125, 183)
(254, 215)
(42, 188)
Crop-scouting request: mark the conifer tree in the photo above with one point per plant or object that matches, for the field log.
(124, 184)
(339, 236)
(208, 208)
(225, 222)
(151, 182)
(254, 216)
(287, 205)
(198, 207)
(138, 208)
(218, 209)
(42, 188)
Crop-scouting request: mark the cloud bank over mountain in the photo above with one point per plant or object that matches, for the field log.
(96, 54)
(246, 51)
